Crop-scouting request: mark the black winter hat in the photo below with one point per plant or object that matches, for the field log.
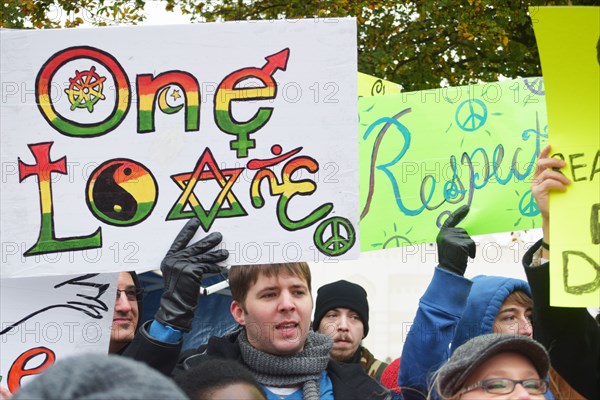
(342, 294)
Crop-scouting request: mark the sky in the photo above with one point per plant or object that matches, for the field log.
(156, 14)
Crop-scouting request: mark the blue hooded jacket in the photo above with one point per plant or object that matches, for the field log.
(452, 310)
(483, 304)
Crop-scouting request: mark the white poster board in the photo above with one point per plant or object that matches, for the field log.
(46, 319)
(112, 138)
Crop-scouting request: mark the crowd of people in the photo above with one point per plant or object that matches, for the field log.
(486, 337)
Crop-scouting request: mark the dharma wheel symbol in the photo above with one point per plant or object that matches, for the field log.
(85, 89)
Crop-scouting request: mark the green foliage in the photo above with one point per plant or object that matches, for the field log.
(420, 44)
(18, 14)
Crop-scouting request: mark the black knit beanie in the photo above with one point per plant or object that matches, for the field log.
(342, 294)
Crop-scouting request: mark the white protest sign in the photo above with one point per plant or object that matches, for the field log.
(112, 138)
(45, 319)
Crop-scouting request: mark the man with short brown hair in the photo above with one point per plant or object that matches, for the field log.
(273, 305)
(241, 279)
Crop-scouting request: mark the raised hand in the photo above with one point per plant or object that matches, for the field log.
(455, 246)
(547, 178)
(182, 269)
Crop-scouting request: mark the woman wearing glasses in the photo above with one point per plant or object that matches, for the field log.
(494, 366)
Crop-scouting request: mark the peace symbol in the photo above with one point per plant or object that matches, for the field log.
(337, 244)
(536, 86)
(527, 205)
(472, 117)
(451, 190)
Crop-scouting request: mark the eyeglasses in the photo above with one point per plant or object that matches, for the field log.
(506, 386)
(131, 294)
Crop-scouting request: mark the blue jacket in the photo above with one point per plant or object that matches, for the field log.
(452, 310)
(483, 303)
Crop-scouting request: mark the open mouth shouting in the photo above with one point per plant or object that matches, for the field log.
(288, 329)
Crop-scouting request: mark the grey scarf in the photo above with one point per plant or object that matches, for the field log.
(303, 368)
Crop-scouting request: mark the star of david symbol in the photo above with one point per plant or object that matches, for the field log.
(207, 169)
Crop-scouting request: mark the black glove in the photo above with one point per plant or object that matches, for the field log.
(182, 270)
(455, 246)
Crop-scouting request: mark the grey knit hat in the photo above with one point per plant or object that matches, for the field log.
(467, 358)
(100, 377)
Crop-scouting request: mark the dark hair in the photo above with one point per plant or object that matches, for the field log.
(242, 277)
(200, 381)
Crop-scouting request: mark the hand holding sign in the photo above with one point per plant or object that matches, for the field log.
(454, 244)
(183, 268)
(567, 39)
(546, 178)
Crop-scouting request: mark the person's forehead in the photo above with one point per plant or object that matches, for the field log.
(509, 303)
(505, 363)
(237, 391)
(125, 279)
(281, 276)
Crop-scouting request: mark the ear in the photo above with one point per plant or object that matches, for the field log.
(237, 311)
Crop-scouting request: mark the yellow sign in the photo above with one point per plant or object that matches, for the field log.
(568, 42)
(372, 86)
